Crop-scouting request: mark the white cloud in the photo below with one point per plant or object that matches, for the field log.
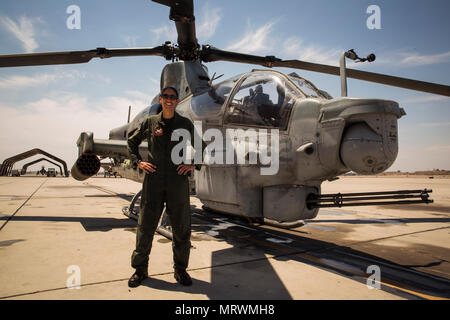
(135, 94)
(67, 78)
(414, 59)
(426, 99)
(296, 49)
(409, 59)
(208, 22)
(165, 33)
(263, 41)
(23, 31)
(101, 78)
(254, 41)
(156, 82)
(54, 124)
(18, 82)
(130, 41)
(43, 79)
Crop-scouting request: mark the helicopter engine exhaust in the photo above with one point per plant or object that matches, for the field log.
(365, 151)
(86, 166)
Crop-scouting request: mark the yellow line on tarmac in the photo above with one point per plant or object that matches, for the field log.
(422, 295)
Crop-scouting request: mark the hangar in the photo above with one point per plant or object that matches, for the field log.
(7, 165)
(25, 166)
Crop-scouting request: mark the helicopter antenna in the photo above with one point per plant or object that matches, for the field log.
(215, 78)
(351, 54)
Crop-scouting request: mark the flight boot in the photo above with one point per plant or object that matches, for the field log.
(182, 277)
(137, 278)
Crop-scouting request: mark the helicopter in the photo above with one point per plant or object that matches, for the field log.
(311, 136)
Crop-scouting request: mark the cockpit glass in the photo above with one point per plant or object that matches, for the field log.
(306, 87)
(209, 104)
(263, 99)
(223, 89)
(222, 92)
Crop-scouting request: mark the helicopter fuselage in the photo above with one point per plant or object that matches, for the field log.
(317, 139)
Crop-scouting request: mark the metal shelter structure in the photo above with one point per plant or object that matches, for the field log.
(25, 166)
(7, 165)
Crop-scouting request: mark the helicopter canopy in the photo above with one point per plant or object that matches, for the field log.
(262, 98)
(259, 98)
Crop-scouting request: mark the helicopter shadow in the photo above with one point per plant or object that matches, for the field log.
(244, 271)
(243, 280)
(89, 223)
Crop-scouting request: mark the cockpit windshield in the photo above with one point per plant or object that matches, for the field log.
(262, 99)
(209, 103)
(307, 87)
(222, 89)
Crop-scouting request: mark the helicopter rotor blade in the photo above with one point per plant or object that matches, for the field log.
(74, 57)
(210, 54)
(182, 12)
(405, 83)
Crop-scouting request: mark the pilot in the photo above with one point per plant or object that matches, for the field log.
(265, 107)
(255, 105)
(252, 93)
(260, 97)
(164, 182)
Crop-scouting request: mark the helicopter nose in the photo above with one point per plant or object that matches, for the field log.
(365, 152)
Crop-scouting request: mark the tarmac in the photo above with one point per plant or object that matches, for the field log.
(65, 239)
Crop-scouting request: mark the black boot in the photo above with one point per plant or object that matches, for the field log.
(137, 278)
(182, 277)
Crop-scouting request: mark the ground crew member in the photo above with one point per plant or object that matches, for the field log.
(164, 182)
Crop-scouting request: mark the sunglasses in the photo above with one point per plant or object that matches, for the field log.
(169, 96)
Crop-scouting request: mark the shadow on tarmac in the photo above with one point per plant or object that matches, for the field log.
(88, 223)
(244, 271)
(255, 279)
(391, 221)
(418, 268)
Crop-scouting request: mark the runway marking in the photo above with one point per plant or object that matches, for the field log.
(110, 192)
(17, 210)
(422, 295)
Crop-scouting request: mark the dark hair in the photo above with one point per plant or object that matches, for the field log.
(165, 88)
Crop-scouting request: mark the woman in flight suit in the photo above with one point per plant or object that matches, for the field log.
(164, 182)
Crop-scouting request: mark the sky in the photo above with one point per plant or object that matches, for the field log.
(47, 107)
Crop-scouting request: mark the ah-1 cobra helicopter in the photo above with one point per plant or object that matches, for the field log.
(319, 137)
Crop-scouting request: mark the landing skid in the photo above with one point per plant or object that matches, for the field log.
(132, 211)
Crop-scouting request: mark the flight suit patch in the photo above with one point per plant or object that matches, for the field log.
(158, 131)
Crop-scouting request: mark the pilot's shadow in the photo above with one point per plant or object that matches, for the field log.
(198, 286)
(239, 280)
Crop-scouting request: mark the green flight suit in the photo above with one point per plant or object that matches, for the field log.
(163, 186)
